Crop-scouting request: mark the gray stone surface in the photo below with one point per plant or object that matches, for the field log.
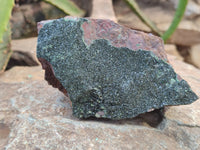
(107, 81)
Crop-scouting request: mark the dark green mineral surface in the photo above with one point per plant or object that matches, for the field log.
(107, 81)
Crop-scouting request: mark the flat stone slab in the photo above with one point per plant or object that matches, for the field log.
(107, 70)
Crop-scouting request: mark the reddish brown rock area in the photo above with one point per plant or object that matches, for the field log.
(120, 36)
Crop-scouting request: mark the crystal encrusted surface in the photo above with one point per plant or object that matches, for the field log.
(105, 80)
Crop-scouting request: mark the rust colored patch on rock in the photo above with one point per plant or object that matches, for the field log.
(120, 36)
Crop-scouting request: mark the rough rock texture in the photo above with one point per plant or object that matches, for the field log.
(109, 71)
(34, 116)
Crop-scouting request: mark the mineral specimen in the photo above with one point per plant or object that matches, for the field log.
(108, 70)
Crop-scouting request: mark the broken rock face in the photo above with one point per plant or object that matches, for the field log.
(108, 70)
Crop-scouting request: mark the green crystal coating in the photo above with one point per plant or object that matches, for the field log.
(107, 81)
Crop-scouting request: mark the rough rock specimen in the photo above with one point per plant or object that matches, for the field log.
(108, 70)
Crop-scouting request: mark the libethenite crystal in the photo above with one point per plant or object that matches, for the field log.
(107, 70)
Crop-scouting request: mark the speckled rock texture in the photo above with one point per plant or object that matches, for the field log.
(107, 70)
